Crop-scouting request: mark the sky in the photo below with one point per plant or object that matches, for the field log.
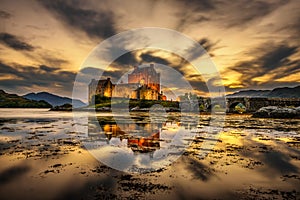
(253, 44)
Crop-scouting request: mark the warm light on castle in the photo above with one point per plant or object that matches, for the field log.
(143, 83)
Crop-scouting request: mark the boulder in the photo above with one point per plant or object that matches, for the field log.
(277, 112)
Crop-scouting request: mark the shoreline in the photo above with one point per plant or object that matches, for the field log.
(48, 158)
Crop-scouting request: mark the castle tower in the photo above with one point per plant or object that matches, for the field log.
(146, 76)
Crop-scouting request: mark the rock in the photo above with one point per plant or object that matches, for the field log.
(277, 112)
(135, 108)
(65, 107)
(172, 109)
(57, 165)
(103, 109)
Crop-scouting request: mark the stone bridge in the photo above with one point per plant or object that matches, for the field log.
(252, 104)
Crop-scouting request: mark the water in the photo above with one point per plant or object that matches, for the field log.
(242, 157)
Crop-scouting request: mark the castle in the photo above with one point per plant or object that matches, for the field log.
(143, 83)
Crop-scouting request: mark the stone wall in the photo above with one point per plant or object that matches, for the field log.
(252, 104)
(100, 87)
(148, 93)
(126, 90)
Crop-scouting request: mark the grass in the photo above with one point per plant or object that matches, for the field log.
(132, 103)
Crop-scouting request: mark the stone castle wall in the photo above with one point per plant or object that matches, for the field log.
(143, 83)
(126, 90)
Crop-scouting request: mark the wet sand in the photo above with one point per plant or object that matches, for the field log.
(42, 158)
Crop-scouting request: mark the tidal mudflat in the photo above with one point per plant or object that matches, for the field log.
(42, 156)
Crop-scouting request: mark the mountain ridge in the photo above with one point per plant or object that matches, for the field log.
(53, 99)
(280, 92)
(8, 100)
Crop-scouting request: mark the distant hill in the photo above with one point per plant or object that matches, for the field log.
(284, 92)
(54, 100)
(15, 101)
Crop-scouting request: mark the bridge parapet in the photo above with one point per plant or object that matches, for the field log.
(252, 104)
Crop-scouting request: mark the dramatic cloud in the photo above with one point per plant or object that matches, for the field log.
(197, 12)
(14, 42)
(90, 71)
(291, 28)
(226, 14)
(200, 5)
(17, 76)
(52, 60)
(48, 69)
(126, 59)
(240, 13)
(169, 59)
(273, 61)
(195, 51)
(148, 58)
(98, 23)
(176, 63)
(63, 32)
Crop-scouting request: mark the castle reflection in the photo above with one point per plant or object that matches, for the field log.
(145, 139)
(140, 135)
(137, 132)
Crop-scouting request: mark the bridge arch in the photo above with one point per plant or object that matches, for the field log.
(232, 107)
(233, 102)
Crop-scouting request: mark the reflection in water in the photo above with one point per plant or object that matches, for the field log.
(254, 158)
(139, 141)
(142, 136)
(142, 143)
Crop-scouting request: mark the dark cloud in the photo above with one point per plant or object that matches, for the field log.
(86, 74)
(194, 79)
(268, 59)
(187, 19)
(6, 69)
(243, 12)
(199, 85)
(172, 60)
(227, 14)
(200, 5)
(47, 57)
(51, 60)
(122, 66)
(296, 25)
(90, 71)
(14, 42)
(207, 44)
(292, 28)
(195, 51)
(98, 23)
(148, 58)
(29, 76)
(48, 69)
(277, 57)
(179, 65)
(42, 56)
(118, 48)
(116, 74)
(4, 14)
(194, 12)
(124, 63)
(126, 59)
